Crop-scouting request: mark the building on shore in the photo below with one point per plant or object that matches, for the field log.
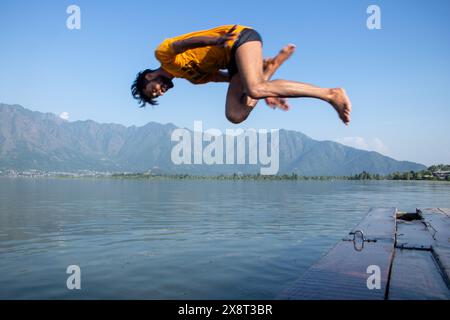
(441, 174)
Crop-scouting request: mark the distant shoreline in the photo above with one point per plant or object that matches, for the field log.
(364, 176)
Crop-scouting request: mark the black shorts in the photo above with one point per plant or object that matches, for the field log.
(246, 35)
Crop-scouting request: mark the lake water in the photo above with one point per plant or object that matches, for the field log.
(188, 239)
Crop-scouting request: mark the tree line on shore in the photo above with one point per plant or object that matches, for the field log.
(428, 174)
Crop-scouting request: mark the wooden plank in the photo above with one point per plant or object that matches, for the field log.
(445, 211)
(438, 222)
(420, 272)
(378, 224)
(416, 276)
(442, 256)
(413, 235)
(342, 274)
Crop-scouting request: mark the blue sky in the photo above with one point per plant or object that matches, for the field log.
(397, 77)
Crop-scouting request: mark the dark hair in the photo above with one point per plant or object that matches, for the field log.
(138, 86)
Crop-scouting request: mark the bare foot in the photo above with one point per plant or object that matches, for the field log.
(341, 103)
(267, 62)
(285, 53)
(277, 102)
(270, 66)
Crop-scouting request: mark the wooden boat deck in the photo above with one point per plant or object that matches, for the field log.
(412, 252)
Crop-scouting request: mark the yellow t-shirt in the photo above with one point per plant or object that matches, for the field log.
(199, 64)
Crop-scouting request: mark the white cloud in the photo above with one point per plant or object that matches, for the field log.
(372, 144)
(379, 146)
(64, 115)
(355, 142)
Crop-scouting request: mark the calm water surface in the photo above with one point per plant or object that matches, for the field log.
(167, 239)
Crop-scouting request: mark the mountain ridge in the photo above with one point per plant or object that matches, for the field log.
(43, 141)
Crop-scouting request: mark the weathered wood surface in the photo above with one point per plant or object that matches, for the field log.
(413, 257)
(378, 224)
(416, 276)
(413, 235)
(342, 273)
(438, 222)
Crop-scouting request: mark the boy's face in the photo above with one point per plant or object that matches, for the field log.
(157, 85)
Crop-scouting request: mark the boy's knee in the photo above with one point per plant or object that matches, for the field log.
(236, 117)
(257, 91)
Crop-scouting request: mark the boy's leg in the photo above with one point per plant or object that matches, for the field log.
(249, 61)
(239, 105)
(270, 66)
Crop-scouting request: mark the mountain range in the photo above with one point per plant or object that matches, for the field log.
(44, 141)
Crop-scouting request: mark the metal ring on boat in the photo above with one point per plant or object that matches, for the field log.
(358, 245)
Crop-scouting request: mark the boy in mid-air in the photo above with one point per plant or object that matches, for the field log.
(200, 57)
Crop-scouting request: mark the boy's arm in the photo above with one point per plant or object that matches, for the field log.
(181, 46)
